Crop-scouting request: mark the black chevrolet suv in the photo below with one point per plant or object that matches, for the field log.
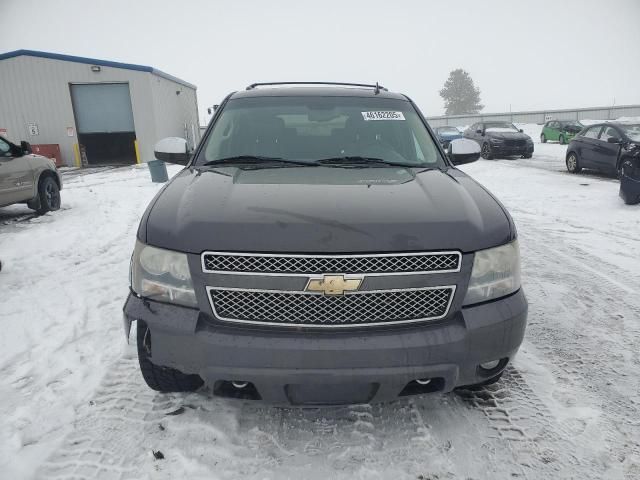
(320, 248)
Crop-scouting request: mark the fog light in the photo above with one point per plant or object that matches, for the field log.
(423, 381)
(239, 385)
(490, 365)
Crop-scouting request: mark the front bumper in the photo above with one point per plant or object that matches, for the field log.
(305, 367)
(506, 150)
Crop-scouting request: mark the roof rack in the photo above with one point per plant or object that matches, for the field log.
(376, 87)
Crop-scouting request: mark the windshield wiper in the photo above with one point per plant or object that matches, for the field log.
(360, 161)
(256, 160)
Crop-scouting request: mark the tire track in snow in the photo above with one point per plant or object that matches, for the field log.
(590, 332)
(109, 436)
(359, 441)
(540, 446)
(404, 439)
(113, 438)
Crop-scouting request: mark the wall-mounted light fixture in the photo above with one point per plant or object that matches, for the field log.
(95, 68)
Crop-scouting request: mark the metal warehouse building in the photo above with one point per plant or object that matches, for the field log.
(86, 111)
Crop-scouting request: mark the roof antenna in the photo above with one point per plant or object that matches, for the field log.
(377, 90)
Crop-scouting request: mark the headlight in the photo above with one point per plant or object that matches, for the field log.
(162, 275)
(496, 273)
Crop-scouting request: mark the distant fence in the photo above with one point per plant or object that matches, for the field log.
(539, 116)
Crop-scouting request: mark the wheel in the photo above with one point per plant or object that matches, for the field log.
(543, 139)
(161, 379)
(48, 196)
(486, 151)
(562, 140)
(573, 164)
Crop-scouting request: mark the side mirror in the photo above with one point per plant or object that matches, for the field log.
(213, 109)
(172, 150)
(14, 152)
(479, 131)
(521, 131)
(614, 140)
(26, 147)
(462, 151)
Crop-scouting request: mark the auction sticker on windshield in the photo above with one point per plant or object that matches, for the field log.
(382, 115)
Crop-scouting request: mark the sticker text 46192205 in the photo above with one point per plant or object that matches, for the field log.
(382, 115)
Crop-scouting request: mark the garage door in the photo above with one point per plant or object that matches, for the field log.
(104, 120)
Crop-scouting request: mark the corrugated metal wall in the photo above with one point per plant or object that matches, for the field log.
(540, 116)
(36, 90)
(175, 115)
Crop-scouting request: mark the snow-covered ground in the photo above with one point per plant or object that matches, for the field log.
(74, 405)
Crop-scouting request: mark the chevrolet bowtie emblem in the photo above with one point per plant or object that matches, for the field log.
(333, 284)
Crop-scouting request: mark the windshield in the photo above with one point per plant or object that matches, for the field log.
(448, 130)
(572, 126)
(632, 131)
(316, 128)
(500, 127)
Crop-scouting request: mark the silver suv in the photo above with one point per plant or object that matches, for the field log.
(28, 178)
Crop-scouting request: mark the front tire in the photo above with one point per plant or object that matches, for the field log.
(161, 379)
(543, 138)
(562, 140)
(48, 196)
(573, 164)
(485, 152)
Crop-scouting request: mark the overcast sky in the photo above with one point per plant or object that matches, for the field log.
(521, 54)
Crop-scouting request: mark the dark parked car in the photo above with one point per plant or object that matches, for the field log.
(320, 248)
(500, 139)
(604, 147)
(446, 134)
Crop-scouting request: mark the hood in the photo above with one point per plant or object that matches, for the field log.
(323, 209)
(508, 135)
(39, 160)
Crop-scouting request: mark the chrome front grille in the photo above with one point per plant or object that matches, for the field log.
(383, 264)
(298, 308)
